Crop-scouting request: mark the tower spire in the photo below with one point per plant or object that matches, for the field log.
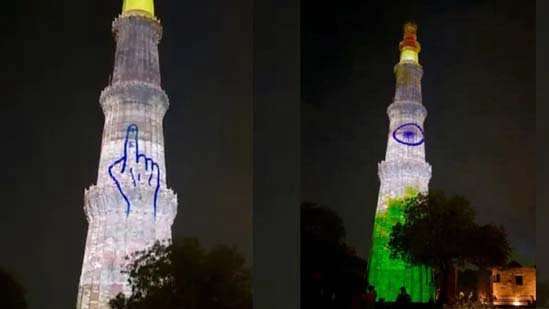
(409, 46)
(143, 6)
(131, 206)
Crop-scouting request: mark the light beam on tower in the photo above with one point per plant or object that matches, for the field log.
(131, 206)
(403, 174)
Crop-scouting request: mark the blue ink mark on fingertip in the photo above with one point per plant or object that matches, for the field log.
(131, 141)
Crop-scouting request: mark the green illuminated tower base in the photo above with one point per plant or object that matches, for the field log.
(388, 275)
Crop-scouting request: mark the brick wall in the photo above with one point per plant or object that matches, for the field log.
(507, 287)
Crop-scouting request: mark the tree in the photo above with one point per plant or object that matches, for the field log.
(12, 294)
(441, 232)
(185, 275)
(332, 274)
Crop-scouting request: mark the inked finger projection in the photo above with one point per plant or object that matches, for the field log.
(135, 172)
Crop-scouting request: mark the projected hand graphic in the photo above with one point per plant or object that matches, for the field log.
(134, 174)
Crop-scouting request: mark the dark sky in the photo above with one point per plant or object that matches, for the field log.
(58, 56)
(478, 87)
(542, 114)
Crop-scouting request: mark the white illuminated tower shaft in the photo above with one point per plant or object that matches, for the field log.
(131, 206)
(404, 166)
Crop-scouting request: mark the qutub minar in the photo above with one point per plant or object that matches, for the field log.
(130, 207)
(403, 174)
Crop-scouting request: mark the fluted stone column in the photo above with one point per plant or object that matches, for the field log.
(404, 166)
(131, 206)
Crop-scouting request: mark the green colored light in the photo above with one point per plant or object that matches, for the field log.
(146, 6)
(388, 275)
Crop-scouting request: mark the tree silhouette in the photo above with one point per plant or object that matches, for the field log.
(185, 275)
(441, 232)
(332, 274)
(12, 294)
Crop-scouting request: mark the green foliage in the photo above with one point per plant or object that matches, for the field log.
(432, 222)
(387, 272)
(12, 294)
(441, 232)
(185, 275)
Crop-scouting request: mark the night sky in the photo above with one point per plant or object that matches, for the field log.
(542, 149)
(58, 57)
(478, 87)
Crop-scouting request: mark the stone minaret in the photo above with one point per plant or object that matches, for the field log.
(131, 206)
(403, 173)
(404, 166)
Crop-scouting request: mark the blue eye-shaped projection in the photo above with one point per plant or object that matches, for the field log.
(409, 134)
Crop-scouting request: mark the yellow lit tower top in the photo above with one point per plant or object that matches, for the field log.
(139, 6)
(409, 46)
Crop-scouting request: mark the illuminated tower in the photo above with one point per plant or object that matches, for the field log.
(402, 174)
(131, 206)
